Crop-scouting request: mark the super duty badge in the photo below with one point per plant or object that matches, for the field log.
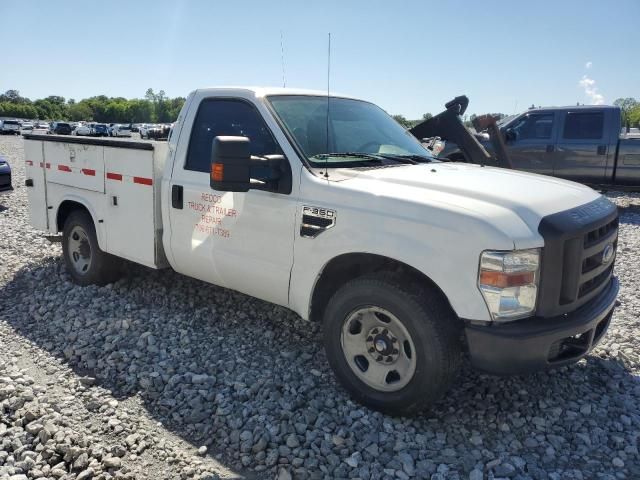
(316, 220)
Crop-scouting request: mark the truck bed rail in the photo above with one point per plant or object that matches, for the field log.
(105, 142)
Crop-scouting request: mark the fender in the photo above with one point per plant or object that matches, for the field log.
(100, 229)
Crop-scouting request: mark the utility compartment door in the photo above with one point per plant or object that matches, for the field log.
(75, 165)
(130, 194)
(35, 173)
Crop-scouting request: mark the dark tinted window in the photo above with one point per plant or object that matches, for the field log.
(534, 126)
(586, 125)
(226, 117)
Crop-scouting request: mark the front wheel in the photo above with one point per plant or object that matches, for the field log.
(85, 262)
(394, 346)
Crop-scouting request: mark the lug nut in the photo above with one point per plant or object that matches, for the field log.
(374, 331)
(371, 350)
(379, 358)
(389, 359)
(395, 351)
(385, 331)
(369, 338)
(394, 339)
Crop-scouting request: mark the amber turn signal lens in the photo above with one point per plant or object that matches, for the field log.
(217, 172)
(504, 280)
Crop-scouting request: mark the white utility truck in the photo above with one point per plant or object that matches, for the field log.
(327, 206)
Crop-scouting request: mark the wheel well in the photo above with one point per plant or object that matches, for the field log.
(346, 267)
(65, 210)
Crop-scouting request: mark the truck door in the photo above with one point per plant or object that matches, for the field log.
(242, 241)
(582, 151)
(530, 142)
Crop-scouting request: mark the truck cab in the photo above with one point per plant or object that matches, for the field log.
(325, 205)
(581, 143)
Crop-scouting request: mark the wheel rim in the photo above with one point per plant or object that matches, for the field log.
(378, 349)
(79, 250)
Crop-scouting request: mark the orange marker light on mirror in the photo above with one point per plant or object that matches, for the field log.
(217, 172)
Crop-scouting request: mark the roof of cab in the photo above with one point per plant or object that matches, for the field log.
(575, 107)
(260, 92)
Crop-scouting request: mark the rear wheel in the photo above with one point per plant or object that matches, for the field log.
(394, 346)
(85, 262)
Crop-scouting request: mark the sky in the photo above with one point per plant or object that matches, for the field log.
(409, 57)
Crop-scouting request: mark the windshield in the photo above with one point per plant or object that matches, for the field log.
(505, 120)
(358, 132)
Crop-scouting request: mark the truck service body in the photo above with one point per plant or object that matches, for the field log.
(408, 261)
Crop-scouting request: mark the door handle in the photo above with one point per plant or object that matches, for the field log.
(602, 149)
(550, 148)
(176, 196)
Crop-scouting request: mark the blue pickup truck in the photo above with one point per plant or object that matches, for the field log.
(5, 175)
(581, 143)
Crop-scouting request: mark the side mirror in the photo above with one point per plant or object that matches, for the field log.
(233, 169)
(510, 135)
(230, 164)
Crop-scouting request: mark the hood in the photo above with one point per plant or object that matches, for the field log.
(495, 194)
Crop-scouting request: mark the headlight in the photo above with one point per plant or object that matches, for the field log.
(509, 282)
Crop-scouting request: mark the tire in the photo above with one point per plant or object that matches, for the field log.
(85, 262)
(399, 312)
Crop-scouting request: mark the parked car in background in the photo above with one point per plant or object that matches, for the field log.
(579, 143)
(26, 127)
(100, 130)
(60, 128)
(83, 130)
(5, 175)
(120, 131)
(155, 132)
(135, 127)
(144, 130)
(10, 127)
(40, 128)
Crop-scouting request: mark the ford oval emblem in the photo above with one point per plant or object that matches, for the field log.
(607, 253)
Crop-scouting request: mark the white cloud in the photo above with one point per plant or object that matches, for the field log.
(590, 90)
(588, 65)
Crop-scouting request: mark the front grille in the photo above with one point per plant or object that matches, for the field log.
(579, 255)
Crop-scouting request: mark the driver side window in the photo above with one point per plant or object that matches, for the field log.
(535, 127)
(218, 117)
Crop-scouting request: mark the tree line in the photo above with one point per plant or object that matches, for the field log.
(630, 108)
(153, 108)
(467, 120)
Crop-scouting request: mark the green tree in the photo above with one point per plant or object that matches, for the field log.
(13, 96)
(626, 106)
(402, 120)
(634, 116)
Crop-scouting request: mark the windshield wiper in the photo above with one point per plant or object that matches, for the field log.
(374, 157)
(412, 159)
(368, 156)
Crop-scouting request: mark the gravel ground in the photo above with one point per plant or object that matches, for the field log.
(161, 376)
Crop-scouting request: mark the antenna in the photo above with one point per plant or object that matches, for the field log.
(326, 158)
(284, 79)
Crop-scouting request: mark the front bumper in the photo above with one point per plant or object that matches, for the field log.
(533, 344)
